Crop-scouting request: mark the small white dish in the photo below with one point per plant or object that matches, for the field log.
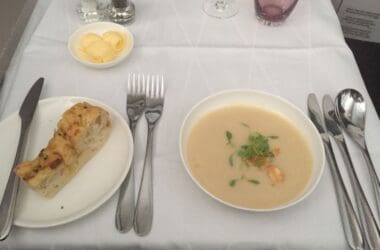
(99, 28)
(267, 101)
(93, 185)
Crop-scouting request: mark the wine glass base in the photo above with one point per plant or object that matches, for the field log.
(268, 22)
(220, 9)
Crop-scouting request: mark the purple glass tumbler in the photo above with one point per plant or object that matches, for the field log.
(273, 12)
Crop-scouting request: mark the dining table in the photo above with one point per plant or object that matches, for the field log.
(198, 55)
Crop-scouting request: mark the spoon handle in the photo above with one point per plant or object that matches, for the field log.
(351, 226)
(365, 213)
(373, 176)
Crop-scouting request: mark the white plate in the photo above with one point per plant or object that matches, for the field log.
(99, 28)
(94, 184)
(267, 101)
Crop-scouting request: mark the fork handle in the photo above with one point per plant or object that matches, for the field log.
(126, 202)
(144, 206)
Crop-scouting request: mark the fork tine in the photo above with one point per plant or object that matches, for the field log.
(138, 88)
(147, 84)
(157, 92)
(142, 80)
(129, 84)
(147, 89)
(133, 87)
(162, 87)
(133, 81)
(151, 95)
(142, 83)
(155, 87)
(151, 84)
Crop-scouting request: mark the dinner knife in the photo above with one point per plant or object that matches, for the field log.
(8, 202)
(352, 230)
(366, 216)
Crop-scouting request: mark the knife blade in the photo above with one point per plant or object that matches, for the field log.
(351, 227)
(8, 202)
(368, 222)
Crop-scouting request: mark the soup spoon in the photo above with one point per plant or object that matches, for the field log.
(350, 108)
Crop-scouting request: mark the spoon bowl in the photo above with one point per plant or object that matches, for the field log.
(351, 112)
(350, 109)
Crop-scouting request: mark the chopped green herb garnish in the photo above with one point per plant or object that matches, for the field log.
(233, 182)
(258, 146)
(229, 137)
(256, 151)
(231, 160)
(256, 182)
(245, 125)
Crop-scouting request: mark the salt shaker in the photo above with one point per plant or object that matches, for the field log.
(89, 11)
(122, 11)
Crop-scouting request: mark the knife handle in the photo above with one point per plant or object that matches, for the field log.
(8, 202)
(351, 226)
(367, 218)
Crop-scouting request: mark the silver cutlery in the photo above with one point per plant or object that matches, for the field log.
(366, 217)
(135, 107)
(143, 218)
(353, 232)
(8, 202)
(350, 108)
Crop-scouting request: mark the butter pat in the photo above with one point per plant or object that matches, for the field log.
(89, 38)
(115, 39)
(101, 49)
(100, 52)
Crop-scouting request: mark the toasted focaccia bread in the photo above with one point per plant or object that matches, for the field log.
(81, 132)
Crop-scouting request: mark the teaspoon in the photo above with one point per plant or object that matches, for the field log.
(350, 108)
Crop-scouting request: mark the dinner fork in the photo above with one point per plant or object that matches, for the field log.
(135, 108)
(143, 218)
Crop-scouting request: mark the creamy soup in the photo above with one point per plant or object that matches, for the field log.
(249, 157)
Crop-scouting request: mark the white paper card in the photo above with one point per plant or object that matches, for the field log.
(360, 19)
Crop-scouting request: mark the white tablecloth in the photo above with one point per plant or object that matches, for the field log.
(199, 56)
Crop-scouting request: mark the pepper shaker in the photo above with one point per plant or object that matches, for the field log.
(122, 11)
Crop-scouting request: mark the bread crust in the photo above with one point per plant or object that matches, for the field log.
(80, 133)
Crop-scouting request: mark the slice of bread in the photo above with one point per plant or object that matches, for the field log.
(81, 132)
